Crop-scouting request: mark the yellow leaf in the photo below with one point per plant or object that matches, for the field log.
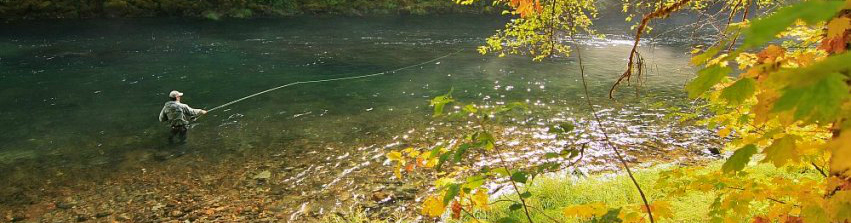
(433, 206)
(395, 156)
(724, 132)
(770, 54)
(586, 210)
(746, 60)
(837, 27)
(630, 217)
(840, 150)
(480, 199)
(762, 109)
(782, 151)
(661, 209)
(398, 171)
(443, 181)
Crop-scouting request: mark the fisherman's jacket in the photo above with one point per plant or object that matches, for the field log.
(177, 114)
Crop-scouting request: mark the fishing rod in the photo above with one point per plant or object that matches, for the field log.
(330, 80)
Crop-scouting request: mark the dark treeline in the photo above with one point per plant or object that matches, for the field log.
(215, 9)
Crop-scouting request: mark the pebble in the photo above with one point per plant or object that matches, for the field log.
(176, 213)
(102, 214)
(63, 205)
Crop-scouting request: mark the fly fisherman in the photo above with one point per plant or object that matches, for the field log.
(177, 115)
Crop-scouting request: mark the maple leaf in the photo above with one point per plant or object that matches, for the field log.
(760, 219)
(840, 150)
(480, 199)
(770, 54)
(762, 108)
(395, 156)
(706, 78)
(739, 91)
(782, 151)
(739, 159)
(433, 206)
(660, 209)
(793, 219)
(818, 102)
(723, 133)
(836, 37)
(585, 210)
(456, 210)
(834, 45)
(837, 27)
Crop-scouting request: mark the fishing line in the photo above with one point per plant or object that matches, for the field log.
(329, 80)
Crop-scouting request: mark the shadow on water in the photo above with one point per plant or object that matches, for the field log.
(79, 99)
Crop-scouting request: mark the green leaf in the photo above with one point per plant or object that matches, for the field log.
(706, 78)
(548, 166)
(739, 159)
(459, 153)
(501, 171)
(484, 139)
(440, 101)
(525, 195)
(561, 128)
(781, 151)
(809, 75)
(551, 155)
(740, 91)
(515, 206)
(507, 220)
(442, 159)
(451, 192)
(435, 152)
(519, 177)
(708, 54)
(570, 153)
(816, 103)
(474, 181)
(471, 109)
(611, 216)
(767, 28)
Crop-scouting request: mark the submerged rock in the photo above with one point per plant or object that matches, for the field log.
(263, 175)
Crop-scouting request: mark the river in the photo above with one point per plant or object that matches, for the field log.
(79, 101)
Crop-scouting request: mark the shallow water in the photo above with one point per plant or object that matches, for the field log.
(79, 99)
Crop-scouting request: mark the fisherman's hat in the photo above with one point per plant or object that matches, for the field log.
(175, 94)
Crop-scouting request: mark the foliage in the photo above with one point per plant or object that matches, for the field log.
(554, 192)
(781, 96)
(537, 29)
(788, 103)
(216, 9)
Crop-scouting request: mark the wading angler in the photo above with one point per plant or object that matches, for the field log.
(177, 115)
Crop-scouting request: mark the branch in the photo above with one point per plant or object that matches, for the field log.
(662, 12)
(606, 135)
(820, 170)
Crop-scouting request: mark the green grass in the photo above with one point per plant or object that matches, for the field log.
(551, 194)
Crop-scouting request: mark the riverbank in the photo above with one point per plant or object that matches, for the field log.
(552, 193)
(67, 9)
(302, 181)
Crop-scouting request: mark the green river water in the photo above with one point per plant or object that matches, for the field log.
(79, 101)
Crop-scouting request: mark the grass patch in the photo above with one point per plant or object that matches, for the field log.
(550, 194)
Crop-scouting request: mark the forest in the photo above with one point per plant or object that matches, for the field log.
(426, 111)
(37, 9)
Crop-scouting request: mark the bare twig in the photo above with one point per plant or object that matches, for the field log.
(505, 165)
(820, 170)
(606, 135)
(661, 12)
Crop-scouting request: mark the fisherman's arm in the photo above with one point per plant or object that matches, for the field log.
(193, 111)
(163, 116)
